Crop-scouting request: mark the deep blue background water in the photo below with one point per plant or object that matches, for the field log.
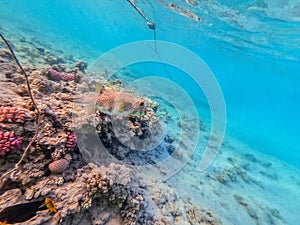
(252, 47)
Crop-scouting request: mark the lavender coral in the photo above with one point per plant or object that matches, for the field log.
(9, 142)
(57, 76)
(12, 114)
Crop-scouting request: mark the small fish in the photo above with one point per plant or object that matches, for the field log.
(50, 205)
(24, 211)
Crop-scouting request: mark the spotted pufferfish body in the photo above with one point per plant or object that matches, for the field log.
(119, 101)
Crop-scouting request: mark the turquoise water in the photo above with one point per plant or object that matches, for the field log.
(251, 47)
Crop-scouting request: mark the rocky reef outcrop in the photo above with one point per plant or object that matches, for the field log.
(55, 167)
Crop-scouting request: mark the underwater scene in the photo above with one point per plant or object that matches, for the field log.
(155, 112)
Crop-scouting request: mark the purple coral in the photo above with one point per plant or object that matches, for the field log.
(55, 75)
(9, 142)
(12, 114)
(68, 77)
(71, 141)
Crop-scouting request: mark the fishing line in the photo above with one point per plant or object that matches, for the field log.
(152, 26)
(137, 9)
(154, 38)
(164, 65)
(161, 61)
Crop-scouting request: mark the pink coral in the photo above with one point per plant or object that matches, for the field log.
(9, 142)
(12, 114)
(71, 141)
(55, 75)
(68, 77)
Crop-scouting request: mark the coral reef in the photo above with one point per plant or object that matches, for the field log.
(93, 185)
(9, 142)
(105, 191)
(36, 52)
(117, 128)
(171, 208)
(83, 192)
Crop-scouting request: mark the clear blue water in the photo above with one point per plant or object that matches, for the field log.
(252, 47)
